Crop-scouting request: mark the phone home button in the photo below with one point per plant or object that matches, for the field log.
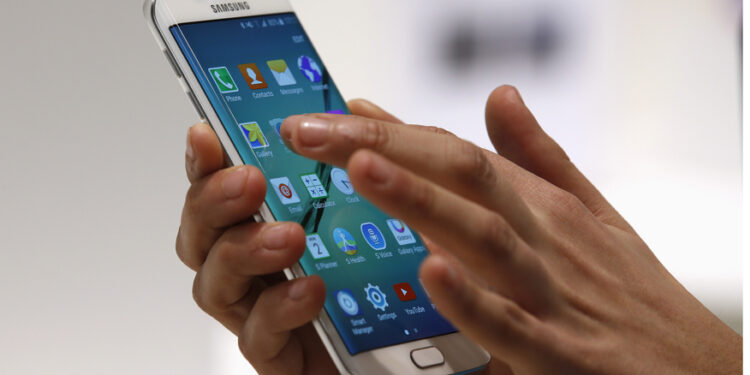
(427, 357)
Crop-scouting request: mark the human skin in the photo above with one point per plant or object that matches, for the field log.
(527, 258)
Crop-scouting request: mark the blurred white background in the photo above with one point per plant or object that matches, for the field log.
(644, 96)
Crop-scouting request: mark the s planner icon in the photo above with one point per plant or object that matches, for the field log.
(223, 80)
(317, 248)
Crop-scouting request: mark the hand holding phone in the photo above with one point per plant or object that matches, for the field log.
(239, 264)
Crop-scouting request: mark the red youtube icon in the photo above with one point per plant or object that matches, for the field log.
(404, 292)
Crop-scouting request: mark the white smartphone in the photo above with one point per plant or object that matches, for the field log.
(246, 65)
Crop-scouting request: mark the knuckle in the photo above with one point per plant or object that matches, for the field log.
(436, 130)
(184, 252)
(498, 236)
(200, 296)
(375, 135)
(246, 343)
(471, 164)
(510, 319)
(423, 197)
(567, 202)
(192, 205)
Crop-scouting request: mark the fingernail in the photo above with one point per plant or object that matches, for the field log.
(297, 290)
(189, 152)
(275, 237)
(378, 172)
(233, 182)
(313, 133)
(515, 95)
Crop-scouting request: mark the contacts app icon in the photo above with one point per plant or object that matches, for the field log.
(252, 76)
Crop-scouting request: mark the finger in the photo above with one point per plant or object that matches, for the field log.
(486, 244)
(366, 108)
(222, 287)
(266, 340)
(453, 163)
(516, 135)
(213, 203)
(204, 154)
(493, 321)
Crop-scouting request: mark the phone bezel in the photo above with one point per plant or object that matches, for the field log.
(460, 354)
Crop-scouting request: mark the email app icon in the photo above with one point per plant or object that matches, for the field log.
(281, 72)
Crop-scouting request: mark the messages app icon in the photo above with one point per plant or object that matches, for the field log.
(223, 79)
(281, 72)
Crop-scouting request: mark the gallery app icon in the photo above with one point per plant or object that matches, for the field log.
(284, 190)
(310, 69)
(313, 185)
(341, 181)
(253, 77)
(281, 72)
(253, 135)
(373, 236)
(347, 302)
(223, 80)
(404, 292)
(401, 232)
(345, 241)
(317, 248)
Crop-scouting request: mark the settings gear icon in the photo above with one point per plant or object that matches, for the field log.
(376, 297)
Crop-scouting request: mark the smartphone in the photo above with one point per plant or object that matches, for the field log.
(246, 65)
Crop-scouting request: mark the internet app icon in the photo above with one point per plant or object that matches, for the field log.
(281, 72)
(401, 232)
(347, 302)
(373, 236)
(341, 181)
(310, 69)
(345, 241)
(253, 135)
(223, 79)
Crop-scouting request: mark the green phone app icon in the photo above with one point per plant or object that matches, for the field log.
(223, 79)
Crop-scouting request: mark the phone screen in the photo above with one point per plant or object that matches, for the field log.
(258, 70)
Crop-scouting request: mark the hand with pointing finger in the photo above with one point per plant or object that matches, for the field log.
(527, 257)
